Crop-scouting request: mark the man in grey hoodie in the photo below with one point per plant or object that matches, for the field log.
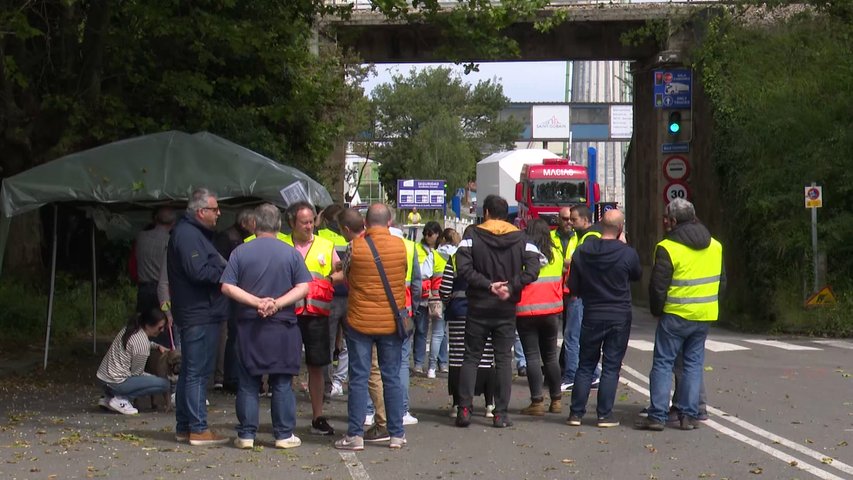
(601, 275)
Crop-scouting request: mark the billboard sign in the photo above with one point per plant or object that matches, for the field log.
(550, 121)
(423, 194)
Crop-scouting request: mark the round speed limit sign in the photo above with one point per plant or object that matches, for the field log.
(676, 189)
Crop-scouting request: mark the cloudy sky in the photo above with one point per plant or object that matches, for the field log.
(522, 81)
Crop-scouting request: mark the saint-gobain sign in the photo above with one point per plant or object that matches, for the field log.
(549, 121)
(424, 194)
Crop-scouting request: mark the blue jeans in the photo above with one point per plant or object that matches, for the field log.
(136, 386)
(607, 339)
(283, 403)
(406, 351)
(438, 344)
(518, 352)
(571, 340)
(389, 349)
(675, 334)
(199, 345)
(421, 328)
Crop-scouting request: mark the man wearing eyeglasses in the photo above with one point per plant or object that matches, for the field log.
(198, 308)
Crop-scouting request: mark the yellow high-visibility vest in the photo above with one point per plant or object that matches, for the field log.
(319, 261)
(694, 291)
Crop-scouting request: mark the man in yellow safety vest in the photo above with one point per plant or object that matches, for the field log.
(687, 279)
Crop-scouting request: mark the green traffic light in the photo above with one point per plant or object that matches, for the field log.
(674, 123)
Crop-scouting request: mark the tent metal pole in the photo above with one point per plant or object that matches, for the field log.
(52, 284)
(94, 293)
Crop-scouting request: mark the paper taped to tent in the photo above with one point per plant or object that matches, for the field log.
(143, 172)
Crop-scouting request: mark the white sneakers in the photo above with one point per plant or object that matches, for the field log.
(121, 405)
(408, 419)
(337, 390)
(290, 442)
(368, 421)
(431, 373)
(244, 443)
(490, 411)
(565, 387)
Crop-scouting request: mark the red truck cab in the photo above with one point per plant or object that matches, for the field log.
(543, 189)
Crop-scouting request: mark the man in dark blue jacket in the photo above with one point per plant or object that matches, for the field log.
(198, 307)
(601, 275)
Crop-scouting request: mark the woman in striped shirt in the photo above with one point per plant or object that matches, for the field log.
(122, 370)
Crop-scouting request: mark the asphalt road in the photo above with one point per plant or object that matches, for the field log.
(779, 411)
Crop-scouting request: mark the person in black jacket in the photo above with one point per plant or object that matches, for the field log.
(198, 307)
(601, 275)
(497, 261)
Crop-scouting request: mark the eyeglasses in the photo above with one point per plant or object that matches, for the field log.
(566, 219)
(212, 209)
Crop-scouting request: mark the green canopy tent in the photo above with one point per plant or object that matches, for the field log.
(145, 171)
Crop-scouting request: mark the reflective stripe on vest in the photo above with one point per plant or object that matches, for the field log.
(571, 246)
(426, 282)
(545, 295)
(318, 260)
(693, 293)
(410, 262)
(439, 262)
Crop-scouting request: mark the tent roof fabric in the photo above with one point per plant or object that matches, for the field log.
(160, 167)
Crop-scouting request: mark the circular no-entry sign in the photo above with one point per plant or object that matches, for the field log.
(676, 189)
(676, 167)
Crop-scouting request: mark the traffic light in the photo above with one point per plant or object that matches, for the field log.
(674, 123)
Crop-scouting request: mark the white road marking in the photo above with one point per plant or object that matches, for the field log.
(712, 345)
(716, 346)
(643, 345)
(356, 469)
(818, 472)
(782, 345)
(835, 343)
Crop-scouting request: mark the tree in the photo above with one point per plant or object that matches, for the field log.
(432, 125)
(74, 75)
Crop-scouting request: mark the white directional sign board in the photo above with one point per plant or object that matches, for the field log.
(676, 189)
(621, 121)
(676, 168)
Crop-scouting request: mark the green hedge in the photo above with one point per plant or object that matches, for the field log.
(23, 310)
(782, 96)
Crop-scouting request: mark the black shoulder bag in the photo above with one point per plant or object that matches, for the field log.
(404, 323)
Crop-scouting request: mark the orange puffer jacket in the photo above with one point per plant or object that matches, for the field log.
(369, 311)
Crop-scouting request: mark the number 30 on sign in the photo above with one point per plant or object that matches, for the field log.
(676, 189)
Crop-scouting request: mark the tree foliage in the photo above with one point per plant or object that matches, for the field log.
(432, 125)
(75, 74)
(782, 99)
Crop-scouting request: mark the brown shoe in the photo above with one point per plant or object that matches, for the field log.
(206, 438)
(537, 409)
(556, 405)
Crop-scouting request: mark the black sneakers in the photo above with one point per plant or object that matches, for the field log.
(377, 434)
(463, 416)
(501, 421)
(646, 423)
(320, 426)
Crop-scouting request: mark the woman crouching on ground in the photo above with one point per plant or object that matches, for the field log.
(122, 372)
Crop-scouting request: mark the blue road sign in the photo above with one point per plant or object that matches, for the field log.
(682, 147)
(424, 194)
(673, 88)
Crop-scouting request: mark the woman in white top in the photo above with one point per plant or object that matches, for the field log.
(122, 371)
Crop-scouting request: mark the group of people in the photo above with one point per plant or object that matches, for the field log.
(360, 298)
